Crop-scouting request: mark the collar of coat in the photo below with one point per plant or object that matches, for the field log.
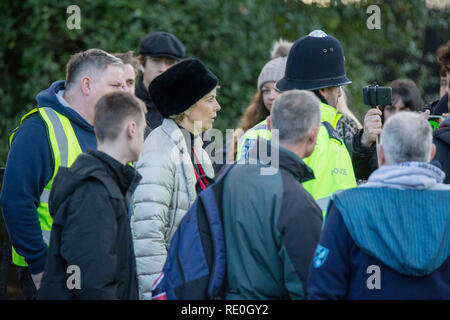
(142, 92)
(170, 127)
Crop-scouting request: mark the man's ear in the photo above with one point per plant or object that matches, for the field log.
(269, 123)
(131, 129)
(312, 138)
(310, 141)
(433, 151)
(324, 93)
(141, 60)
(85, 85)
(380, 155)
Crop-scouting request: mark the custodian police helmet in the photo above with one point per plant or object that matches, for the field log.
(315, 61)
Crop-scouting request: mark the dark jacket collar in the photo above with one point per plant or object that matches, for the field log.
(442, 106)
(287, 161)
(142, 92)
(295, 165)
(125, 176)
(443, 134)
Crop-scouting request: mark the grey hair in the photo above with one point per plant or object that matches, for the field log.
(294, 114)
(406, 137)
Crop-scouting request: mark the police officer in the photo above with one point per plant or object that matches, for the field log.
(158, 52)
(316, 63)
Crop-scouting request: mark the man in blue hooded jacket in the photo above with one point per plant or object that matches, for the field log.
(50, 135)
(389, 239)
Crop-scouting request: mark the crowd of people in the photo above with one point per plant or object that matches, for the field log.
(103, 170)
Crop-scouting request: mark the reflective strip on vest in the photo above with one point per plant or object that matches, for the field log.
(45, 195)
(60, 135)
(46, 236)
(250, 136)
(65, 148)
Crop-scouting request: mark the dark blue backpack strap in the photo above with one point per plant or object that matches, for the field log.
(212, 203)
(196, 263)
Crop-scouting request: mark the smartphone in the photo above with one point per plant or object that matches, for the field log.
(377, 96)
(435, 120)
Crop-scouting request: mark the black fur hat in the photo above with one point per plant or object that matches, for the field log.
(181, 86)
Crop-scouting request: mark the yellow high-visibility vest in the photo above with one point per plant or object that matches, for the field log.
(65, 149)
(330, 160)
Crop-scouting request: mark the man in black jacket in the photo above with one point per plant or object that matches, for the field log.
(91, 255)
(158, 52)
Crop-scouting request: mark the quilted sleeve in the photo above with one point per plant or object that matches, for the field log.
(152, 200)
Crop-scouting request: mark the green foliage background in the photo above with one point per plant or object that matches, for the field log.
(233, 38)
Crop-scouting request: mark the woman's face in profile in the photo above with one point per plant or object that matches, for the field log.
(203, 113)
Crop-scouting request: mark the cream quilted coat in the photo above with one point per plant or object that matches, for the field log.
(165, 193)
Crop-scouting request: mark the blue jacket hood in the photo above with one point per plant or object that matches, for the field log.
(409, 176)
(408, 230)
(48, 98)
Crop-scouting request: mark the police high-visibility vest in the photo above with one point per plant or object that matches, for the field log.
(247, 141)
(65, 149)
(330, 114)
(330, 160)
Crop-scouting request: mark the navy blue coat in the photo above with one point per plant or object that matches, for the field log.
(342, 269)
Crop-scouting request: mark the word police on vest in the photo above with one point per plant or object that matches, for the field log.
(339, 171)
(234, 309)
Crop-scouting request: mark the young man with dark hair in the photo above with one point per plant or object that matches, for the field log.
(91, 231)
(158, 52)
(52, 134)
(130, 69)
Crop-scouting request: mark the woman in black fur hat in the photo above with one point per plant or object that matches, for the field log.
(173, 164)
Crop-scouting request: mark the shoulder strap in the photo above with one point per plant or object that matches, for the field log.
(212, 204)
(332, 133)
(200, 176)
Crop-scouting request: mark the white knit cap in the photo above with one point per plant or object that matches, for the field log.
(272, 71)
